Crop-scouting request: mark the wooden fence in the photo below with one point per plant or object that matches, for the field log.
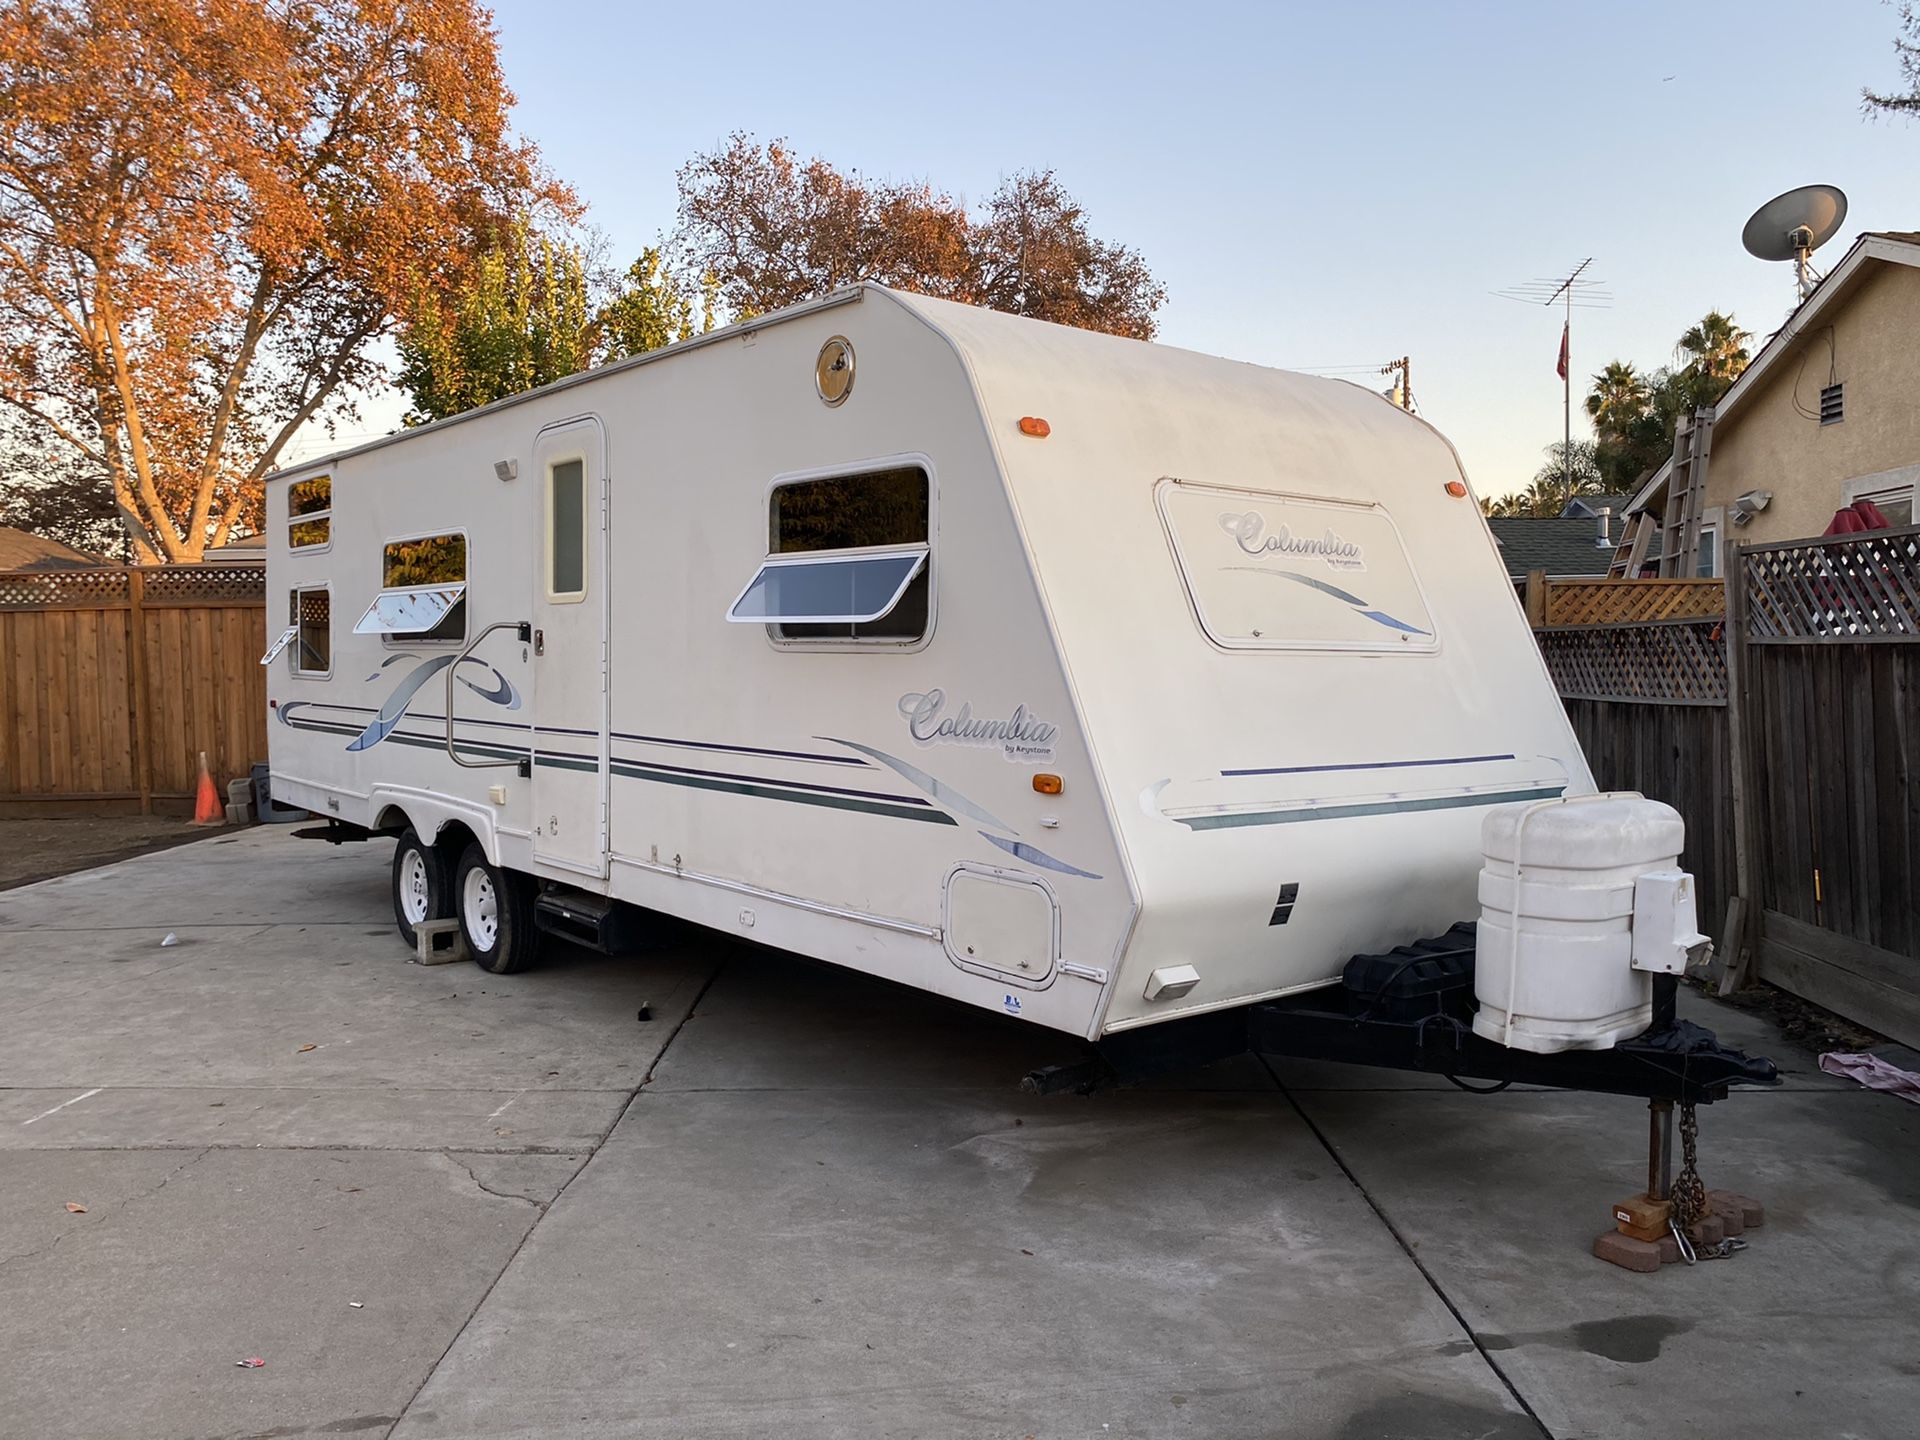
(1788, 736)
(1649, 704)
(1608, 602)
(1826, 672)
(112, 682)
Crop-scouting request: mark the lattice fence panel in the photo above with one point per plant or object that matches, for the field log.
(1848, 587)
(198, 584)
(1629, 602)
(1681, 662)
(62, 589)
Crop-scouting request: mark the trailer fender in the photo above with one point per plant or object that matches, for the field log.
(430, 814)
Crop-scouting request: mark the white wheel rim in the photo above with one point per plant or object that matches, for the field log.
(482, 908)
(413, 887)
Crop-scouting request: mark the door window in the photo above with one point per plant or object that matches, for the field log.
(567, 529)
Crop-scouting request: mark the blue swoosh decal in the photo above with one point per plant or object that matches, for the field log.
(1033, 855)
(1379, 617)
(383, 724)
(403, 655)
(502, 693)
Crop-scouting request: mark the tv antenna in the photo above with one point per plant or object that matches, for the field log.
(1575, 290)
(1794, 225)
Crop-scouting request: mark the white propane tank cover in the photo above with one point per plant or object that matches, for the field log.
(1555, 954)
(1665, 927)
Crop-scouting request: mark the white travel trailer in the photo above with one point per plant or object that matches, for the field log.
(1091, 681)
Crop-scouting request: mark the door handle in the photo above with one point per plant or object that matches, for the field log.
(539, 642)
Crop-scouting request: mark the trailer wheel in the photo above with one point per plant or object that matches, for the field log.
(496, 914)
(420, 885)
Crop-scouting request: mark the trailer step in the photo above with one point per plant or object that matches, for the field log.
(596, 922)
(590, 920)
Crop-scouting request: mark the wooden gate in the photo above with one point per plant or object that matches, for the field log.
(1826, 675)
(112, 681)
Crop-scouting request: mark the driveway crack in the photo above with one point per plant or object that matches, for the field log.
(501, 1194)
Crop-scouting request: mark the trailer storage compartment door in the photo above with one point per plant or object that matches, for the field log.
(570, 610)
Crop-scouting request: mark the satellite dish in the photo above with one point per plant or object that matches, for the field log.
(1792, 226)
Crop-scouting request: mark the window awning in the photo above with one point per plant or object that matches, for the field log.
(284, 639)
(836, 588)
(400, 611)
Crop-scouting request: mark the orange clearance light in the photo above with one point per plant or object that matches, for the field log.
(1047, 784)
(1457, 489)
(1033, 425)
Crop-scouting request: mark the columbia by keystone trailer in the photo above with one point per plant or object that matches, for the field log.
(1118, 688)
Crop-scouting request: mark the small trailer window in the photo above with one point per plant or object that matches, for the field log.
(310, 513)
(849, 558)
(423, 591)
(310, 621)
(566, 530)
(1267, 571)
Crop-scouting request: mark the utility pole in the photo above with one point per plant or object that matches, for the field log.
(1405, 366)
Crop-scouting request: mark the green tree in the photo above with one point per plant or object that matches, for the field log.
(1715, 352)
(1619, 398)
(1550, 491)
(648, 311)
(1906, 53)
(523, 320)
(538, 310)
(1634, 412)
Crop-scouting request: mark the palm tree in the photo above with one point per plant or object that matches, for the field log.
(1714, 352)
(1620, 396)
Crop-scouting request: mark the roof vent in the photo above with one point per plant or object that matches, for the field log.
(1831, 407)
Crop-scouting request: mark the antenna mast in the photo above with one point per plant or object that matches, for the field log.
(1571, 290)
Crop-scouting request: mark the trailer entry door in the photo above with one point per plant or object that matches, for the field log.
(570, 615)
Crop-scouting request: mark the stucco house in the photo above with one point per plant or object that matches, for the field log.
(1827, 413)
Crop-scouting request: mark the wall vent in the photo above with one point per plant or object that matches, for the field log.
(1831, 405)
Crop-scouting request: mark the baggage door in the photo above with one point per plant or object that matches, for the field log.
(569, 674)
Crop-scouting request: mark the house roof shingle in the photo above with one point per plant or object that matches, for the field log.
(23, 550)
(1564, 548)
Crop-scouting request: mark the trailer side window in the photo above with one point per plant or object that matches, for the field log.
(848, 559)
(310, 513)
(310, 617)
(422, 595)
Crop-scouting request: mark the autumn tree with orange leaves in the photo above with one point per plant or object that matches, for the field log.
(772, 229)
(211, 209)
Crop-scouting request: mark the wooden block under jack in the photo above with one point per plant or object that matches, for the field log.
(1643, 1218)
(439, 942)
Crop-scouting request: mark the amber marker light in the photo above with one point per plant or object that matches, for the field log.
(1457, 489)
(1047, 784)
(1033, 425)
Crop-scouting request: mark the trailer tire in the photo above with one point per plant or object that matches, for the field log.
(421, 887)
(496, 914)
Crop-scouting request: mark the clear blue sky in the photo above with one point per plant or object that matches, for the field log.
(1319, 186)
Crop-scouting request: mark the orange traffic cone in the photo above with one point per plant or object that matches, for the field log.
(207, 809)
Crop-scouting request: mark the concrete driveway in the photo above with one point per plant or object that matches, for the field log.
(797, 1203)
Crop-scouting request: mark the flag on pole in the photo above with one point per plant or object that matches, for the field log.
(1561, 369)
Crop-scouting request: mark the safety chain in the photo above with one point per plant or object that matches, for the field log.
(1688, 1198)
(1689, 1195)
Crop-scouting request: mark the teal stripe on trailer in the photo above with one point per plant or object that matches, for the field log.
(769, 792)
(1377, 807)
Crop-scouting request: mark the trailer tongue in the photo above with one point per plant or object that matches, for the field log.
(1413, 1009)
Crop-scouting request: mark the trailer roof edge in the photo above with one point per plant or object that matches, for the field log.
(852, 295)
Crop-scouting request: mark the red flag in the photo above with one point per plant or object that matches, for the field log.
(1561, 368)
